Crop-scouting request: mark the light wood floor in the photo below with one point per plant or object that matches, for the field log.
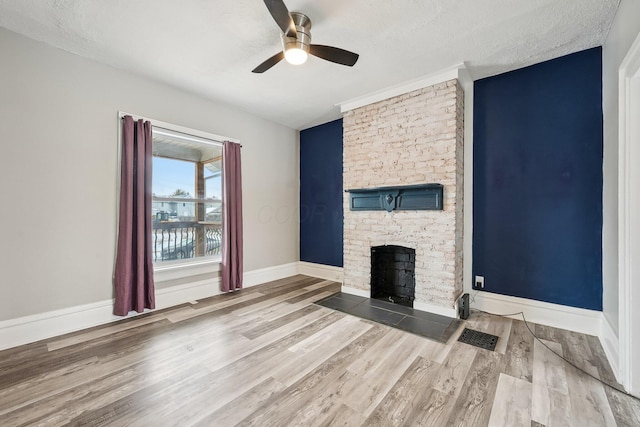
(267, 356)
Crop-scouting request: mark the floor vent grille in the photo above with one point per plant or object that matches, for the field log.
(478, 339)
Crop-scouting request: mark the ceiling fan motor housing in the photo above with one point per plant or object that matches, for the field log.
(302, 38)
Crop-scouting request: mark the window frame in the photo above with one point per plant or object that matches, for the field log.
(193, 266)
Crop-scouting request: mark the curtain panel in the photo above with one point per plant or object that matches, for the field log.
(232, 242)
(133, 278)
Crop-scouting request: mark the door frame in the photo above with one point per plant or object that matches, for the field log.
(628, 209)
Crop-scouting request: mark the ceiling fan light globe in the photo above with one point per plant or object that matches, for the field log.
(296, 56)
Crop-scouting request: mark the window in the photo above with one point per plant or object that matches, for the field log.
(187, 196)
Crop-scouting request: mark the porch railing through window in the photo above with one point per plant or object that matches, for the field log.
(185, 239)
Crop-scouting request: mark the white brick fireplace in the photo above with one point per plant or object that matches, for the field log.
(413, 138)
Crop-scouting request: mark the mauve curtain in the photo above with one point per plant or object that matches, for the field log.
(232, 218)
(133, 279)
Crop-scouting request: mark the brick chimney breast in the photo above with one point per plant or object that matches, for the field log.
(414, 138)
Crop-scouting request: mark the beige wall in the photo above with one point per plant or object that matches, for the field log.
(624, 30)
(58, 167)
(415, 138)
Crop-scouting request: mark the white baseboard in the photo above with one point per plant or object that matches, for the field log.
(326, 272)
(268, 274)
(544, 313)
(176, 295)
(609, 341)
(356, 292)
(28, 329)
(435, 309)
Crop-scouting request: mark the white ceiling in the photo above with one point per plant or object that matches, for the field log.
(209, 47)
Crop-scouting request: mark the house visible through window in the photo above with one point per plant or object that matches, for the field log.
(187, 196)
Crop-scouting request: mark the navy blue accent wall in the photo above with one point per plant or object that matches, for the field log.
(537, 181)
(321, 216)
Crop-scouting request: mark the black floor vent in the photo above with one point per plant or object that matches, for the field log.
(479, 339)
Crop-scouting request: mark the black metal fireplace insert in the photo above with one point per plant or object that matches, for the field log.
(393, 274)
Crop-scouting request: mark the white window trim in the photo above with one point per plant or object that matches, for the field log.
(178, 128)
(171, 271)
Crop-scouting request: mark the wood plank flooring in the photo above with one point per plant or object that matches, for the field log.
(267, 356)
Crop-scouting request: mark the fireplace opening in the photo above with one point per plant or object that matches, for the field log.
(393, 274)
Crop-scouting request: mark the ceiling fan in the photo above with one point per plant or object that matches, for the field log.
(296, 40)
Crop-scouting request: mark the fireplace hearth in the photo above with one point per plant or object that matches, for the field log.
(393, 274)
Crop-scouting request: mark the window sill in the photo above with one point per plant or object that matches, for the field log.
(163, 273)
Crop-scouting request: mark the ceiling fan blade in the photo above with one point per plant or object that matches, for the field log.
(334, 54)
(269, 63)
(281, 15)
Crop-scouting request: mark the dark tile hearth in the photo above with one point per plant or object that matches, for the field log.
(429, 325)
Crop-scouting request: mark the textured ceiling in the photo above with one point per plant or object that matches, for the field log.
(209, 47)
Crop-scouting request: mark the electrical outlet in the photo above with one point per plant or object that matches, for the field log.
(479, 282)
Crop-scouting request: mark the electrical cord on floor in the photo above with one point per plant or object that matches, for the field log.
(559, 355)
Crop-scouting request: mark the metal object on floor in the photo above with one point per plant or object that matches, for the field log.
(478, 339)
